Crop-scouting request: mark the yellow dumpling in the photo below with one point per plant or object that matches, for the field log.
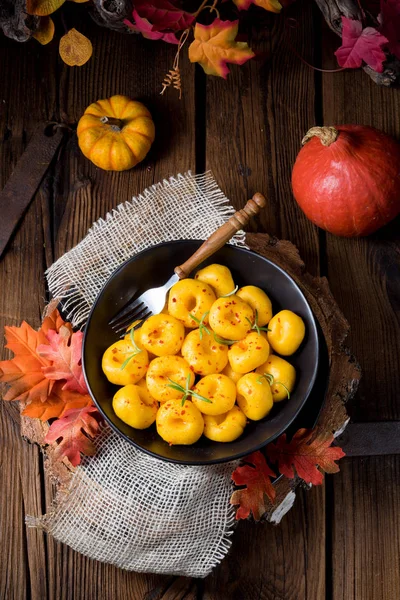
(283, 376)
(178, 424)
(219, 390)
(123, 364)
(258, 301)
(203, 353)
(218, 277)
(226, 427)
(162, 335)
(134, 405)
(286, 333)
(231, 318)
(249, 353)
(163, 369)
(229, 372)
(254, 396)
(190, 297)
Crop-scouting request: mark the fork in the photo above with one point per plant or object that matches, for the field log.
(153, 301)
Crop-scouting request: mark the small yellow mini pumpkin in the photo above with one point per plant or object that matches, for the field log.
(116, 134)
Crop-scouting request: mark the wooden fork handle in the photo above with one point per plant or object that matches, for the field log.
(222, 235)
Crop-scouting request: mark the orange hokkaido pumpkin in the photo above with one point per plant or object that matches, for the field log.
(116, 134)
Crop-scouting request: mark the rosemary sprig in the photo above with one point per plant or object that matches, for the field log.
(271, 380)
(200, 323)
(255, 325)
(221, 340)
(137, 349)
(186, 391)
(231, 293)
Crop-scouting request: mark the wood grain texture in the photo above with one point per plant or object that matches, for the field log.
(339, 543)
(365, 273)
(255, 123)
(366, 529)
(268, 562)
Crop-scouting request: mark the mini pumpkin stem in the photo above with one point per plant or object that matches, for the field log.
(116, 124)
(327, 135)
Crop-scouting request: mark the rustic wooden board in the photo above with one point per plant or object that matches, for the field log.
(341, 542)
(364, 275)
(254, 123)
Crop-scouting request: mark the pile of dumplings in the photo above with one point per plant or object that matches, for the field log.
(208, 363)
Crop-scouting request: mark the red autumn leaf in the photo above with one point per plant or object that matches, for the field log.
(144, 27)
(24, 372)
(163, 15)
(272, 5)
(258, 485)
(56, 405)
(360, 45)
(303, 455)
(65, 351)
(215, 45)
(75, 432)
(390, 24)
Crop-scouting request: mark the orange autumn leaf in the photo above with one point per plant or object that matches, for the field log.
(74, 433)
(304, 454)
(272, 5)
(24, 372)
(43, 8)
(64, 350)
(45, 32)
(258, 484)
(54, 321)
(75, 48)
(214, 46)
(57, 404)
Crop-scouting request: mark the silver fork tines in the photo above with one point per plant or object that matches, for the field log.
(149, 303)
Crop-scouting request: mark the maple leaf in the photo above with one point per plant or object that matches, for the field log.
(163, 15)
(360, 45)
(214, 46)
(389, 19)
(270, 5)
(147, 30)
(257, 480)
(75, 432)
(24, 372)
(303, 456)
(65, 351)
(56, 405)
(54, 321)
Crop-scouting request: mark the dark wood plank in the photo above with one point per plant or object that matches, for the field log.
(81, 194)
(366, 529)
(255, 121)
(365, 274)
(276, 562)
(23, 104)
(35, 565)
(364, 277)
(371, 439)
(130, 65)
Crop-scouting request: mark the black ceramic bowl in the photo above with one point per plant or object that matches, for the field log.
(152, 268)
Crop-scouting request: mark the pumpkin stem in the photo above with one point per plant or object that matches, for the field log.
(327, 135)
(116, 124)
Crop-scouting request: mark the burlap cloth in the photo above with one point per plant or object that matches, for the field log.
(123, 506)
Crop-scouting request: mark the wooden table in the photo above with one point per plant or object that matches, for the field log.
(340, 541)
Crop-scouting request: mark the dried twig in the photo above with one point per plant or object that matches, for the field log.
(173, 77)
